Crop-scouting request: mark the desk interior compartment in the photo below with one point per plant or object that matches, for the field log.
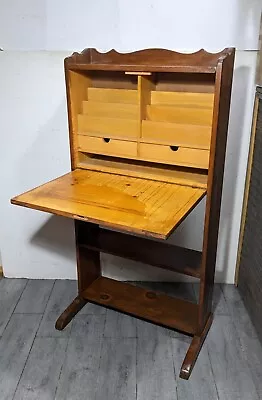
(178, 113)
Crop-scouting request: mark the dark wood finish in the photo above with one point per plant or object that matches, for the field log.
(223, 86)
(193, 350)
(156, 307)
(88, 261)
(77, 304)
(158, 254)
(165, 71)
(88, 270)
(147, 60)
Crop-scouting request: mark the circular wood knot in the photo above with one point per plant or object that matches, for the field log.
(151, 295)
(104, 296)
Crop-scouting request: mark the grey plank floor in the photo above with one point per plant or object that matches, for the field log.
(104, 355)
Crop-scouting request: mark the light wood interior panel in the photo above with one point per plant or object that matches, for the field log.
(132, 204)
(175, 155)
(198, 100)
(112, 110)
(180, 115)
(193, 136)
(108, 127)
(129, 96)
(149, 170)
(108, 146)
(157, 109)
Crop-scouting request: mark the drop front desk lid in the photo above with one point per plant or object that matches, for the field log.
(136, 205)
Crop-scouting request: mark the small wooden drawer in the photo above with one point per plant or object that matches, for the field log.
(175, 155)
(108, 146)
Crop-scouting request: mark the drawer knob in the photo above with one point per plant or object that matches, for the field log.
(174, 148)
(106, 139)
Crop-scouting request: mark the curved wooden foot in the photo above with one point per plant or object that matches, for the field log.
(69, 313)
(193, 351)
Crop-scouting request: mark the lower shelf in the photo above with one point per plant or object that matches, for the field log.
(158, 308)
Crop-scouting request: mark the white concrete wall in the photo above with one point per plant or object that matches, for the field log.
(34, 138)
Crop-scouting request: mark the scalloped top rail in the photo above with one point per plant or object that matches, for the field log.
(148, 60)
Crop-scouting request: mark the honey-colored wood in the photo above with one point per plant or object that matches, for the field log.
(156, 307)
(138, 73)
(147, 170)
(173, 155)
(197, 100)
(180, 115)
(132, 204)
(77, 85)
(148, 135)
(145, 86)
(112, 110)
(106, 95)
(108, 127)
(193, 136)
(112, 147)
(1, 272)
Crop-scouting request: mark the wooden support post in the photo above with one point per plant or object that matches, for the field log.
(88, 270)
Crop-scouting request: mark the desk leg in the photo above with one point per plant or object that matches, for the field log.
(69, 313)
(193, 351)
(88, 270)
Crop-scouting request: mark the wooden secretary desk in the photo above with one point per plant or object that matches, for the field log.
(148, 136)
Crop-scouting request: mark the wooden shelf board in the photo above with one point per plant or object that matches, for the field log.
(130, 204)
(155, 307)
(145, 170)
(158, 254)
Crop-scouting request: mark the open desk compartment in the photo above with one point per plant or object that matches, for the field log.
(147, 139)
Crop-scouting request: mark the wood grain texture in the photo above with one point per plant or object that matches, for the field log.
(118, 325)
(155, 369)
(117, 370)
(105, 145)
(250, 344)
(139, 169)
(180, 115)
(223, 86)
(183, 156)
(10, 293)
(35, 296)
(194, 350)
(147, 60)
(62, 294)
(111, 95)
(80, 369)
(15, 345)
(202, 383)
(112, 110)
(233, 379)
(41, 374)
(158, 308)
(108, 126)
(76, 87)
(162, 255)
(131, 204)
(185, 135)
(186, 99)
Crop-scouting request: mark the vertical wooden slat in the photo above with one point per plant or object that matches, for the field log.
(223, 85)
